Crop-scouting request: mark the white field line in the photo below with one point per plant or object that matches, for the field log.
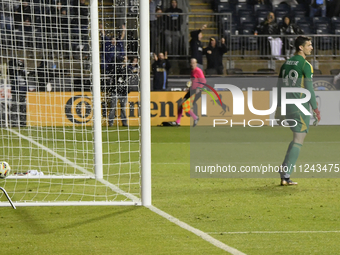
(172, 163)
(275, 232)
(248, 163)
(243, 142)
(196, 231)
(165, 215)
(83, 170)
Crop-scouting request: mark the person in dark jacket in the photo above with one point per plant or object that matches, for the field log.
(196, 46)
(17, 76)
(318, 8)
(173, 35)
(214, 53)
(160, 69)
(119, 90)
(267, 27)
(112, 49)
(288, 28)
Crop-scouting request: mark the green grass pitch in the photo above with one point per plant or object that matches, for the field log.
(255, 216)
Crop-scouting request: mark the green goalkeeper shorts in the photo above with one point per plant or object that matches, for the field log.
(301, 122)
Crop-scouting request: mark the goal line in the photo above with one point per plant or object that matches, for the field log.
(86, 175)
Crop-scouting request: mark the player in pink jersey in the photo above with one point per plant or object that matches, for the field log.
(197, 78)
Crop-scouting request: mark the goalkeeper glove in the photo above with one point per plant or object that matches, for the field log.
(317, 117)
(278, 115)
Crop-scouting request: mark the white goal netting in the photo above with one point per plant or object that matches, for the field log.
(47, 105)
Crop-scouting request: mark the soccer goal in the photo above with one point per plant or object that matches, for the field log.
(75, 122)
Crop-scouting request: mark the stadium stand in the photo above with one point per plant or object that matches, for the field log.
(334, 71)
(317, 72)
(232, 71)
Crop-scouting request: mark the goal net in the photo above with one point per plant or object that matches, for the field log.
(69, 97)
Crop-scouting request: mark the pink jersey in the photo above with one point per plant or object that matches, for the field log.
(196, 77)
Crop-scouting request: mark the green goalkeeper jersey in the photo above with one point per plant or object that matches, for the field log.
(296, 72)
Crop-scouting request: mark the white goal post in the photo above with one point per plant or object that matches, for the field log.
(76, 126)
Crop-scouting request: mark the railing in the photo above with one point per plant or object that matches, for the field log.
(242, 42)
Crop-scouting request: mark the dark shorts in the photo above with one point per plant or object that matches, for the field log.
(301, 120)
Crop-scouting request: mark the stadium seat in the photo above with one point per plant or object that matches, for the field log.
(247, 19)
(234, 71)
(306, 28)
(262, 7)
(261, 16)
(260, 20)
(266, 70)
(243, 7)
(249, 42)
(234, 41)
(248, 26)
(336, 26)
(210, 71)
(335, 20)
(335, 23)
(337, 39)
(244, 13)
(262, 13)
(227, 20)
(281, 7)
(280, 15)
(322, 25)
(225, 7)
(298, 7)
(323, 42)
(317, 72)
(321, 19)
(299, 19)
(334, 71)
(299, 14)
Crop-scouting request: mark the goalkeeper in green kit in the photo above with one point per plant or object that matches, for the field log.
(296, 72)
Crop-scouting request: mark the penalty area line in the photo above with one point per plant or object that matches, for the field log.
(275, 232)
(203, 235)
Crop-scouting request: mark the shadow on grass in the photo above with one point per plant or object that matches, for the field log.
(39, 227)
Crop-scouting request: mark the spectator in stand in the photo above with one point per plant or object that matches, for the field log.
(22, 13)
(28, 34)
(84, 17)
(214, 53)
(160, 41)
(63, 32)
(173, 34)
(196, 46)
(134, 71)
(119, 92)
(288, 28)
(160, 69)
(6, 22)
(79, 25)
(133, 66)
(80, 21)
(17, 76)
(317, 8)
(43, 76)
(153, 4)
(112, 51)
(267, 27)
